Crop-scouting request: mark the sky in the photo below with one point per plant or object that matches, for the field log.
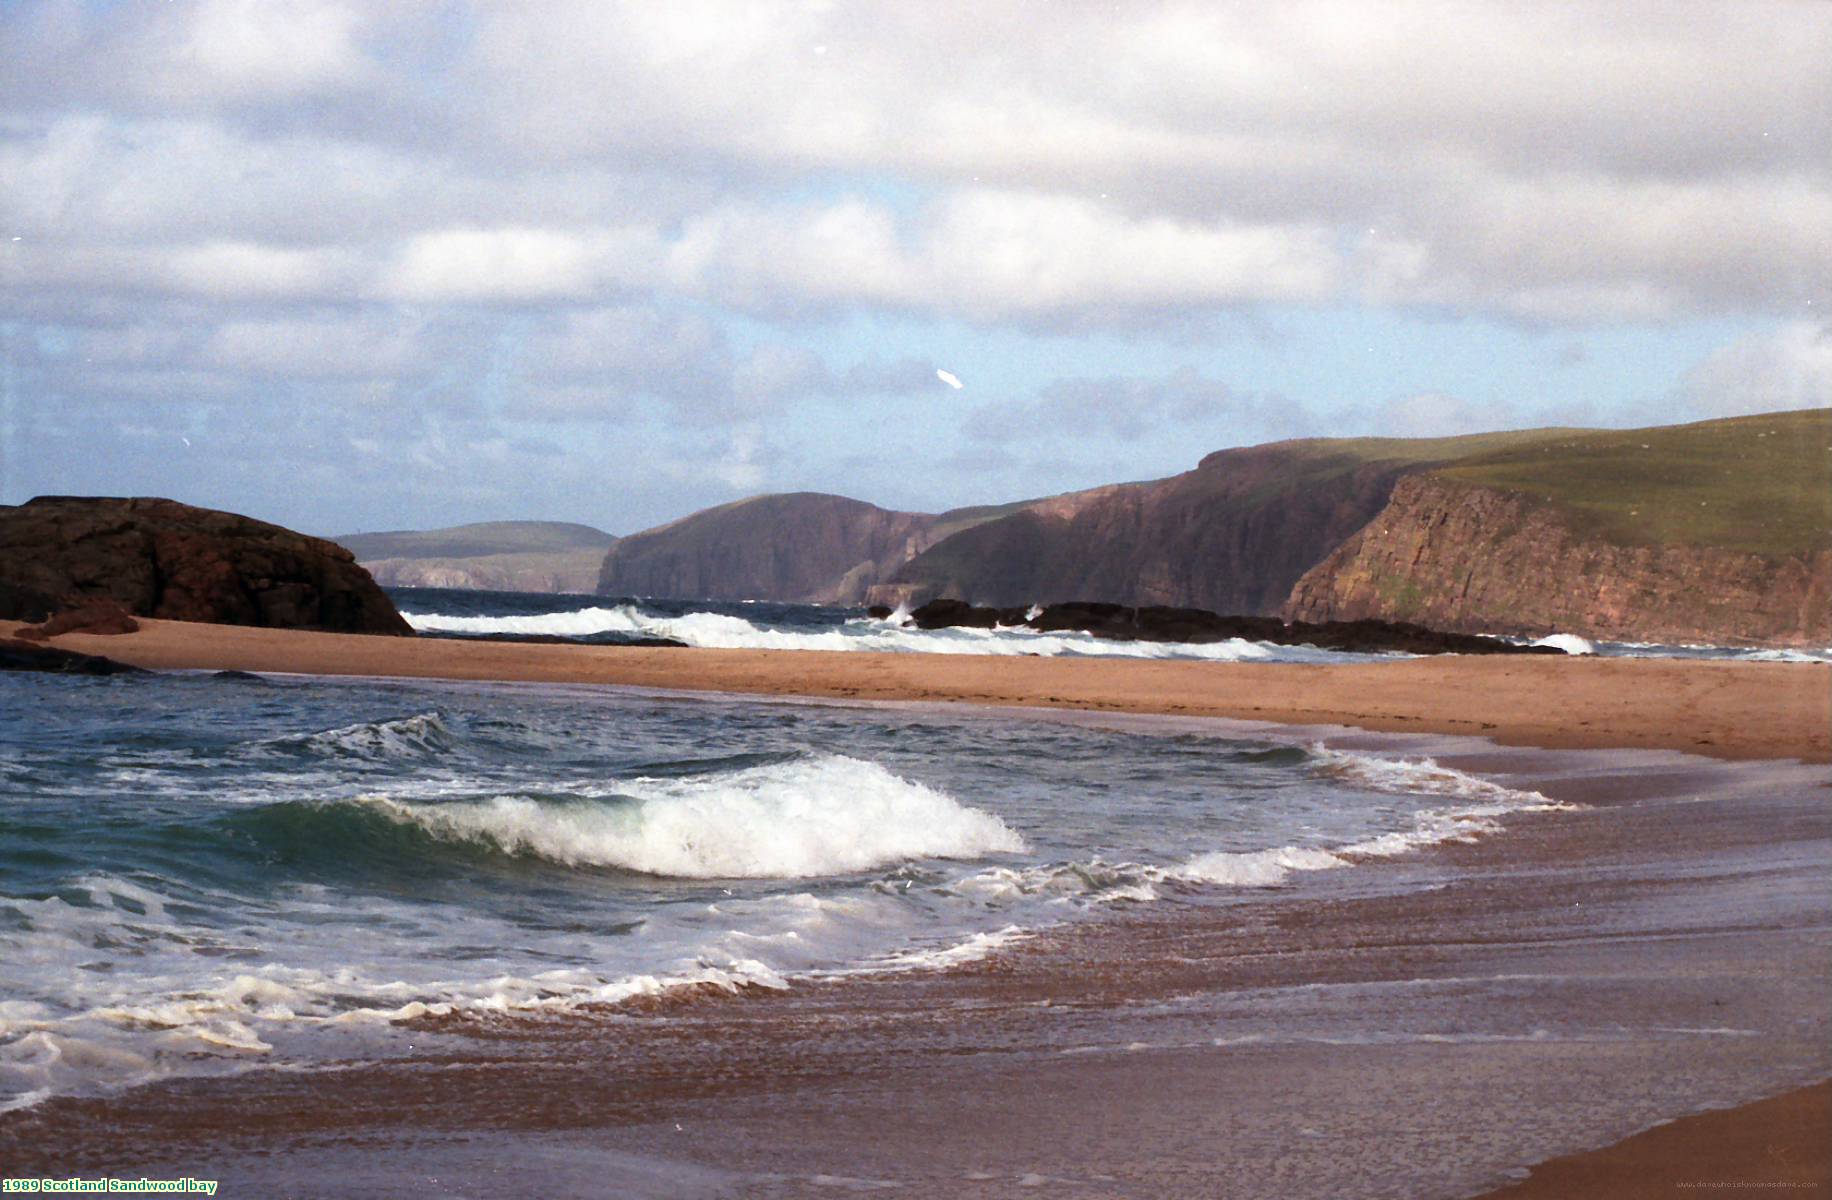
(352, 266)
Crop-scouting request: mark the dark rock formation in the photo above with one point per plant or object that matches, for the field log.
(1480, 560)
(160, 558)
(23, 604)
(102, 615)
(16, 655)
(1153, 623)
(947, 613)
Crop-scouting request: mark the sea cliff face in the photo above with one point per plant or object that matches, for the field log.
(1474, 559)
(1232, 536)
(803, 546)
(576, 572)
(504, 556)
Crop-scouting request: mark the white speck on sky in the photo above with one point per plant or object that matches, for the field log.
(949, 378)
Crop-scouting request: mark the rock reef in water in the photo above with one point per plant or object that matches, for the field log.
(1155, 623)
(19, 655)
(160, 558)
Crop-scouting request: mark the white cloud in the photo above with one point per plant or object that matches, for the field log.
(993, 256)
(1127, 408)
(367, 346)
(283, 47)
(513, 264)
(1437, 414)
(587, 214)
(1784, 368)
(1555, 163)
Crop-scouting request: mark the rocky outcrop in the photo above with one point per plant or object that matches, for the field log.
(1478, 559)
(18, 655)
(1155, 623)
(160, 558)
(102, 615)
(801, 546)
(22, 603)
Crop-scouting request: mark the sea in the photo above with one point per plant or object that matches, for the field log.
(756, 624)
(215, 873)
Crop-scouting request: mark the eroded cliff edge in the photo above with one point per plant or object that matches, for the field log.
(1458, 556)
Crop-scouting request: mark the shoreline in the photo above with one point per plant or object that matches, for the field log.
(1581, 980)
(1783, 1142)
(1729, 710)
(1562, 704)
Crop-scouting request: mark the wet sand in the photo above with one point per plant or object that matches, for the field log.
(1722, 709)
(1783, 1143)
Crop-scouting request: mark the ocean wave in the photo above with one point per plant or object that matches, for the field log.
(1481, 802)
(1092, 882)
(718, 631)
(1790, 656)
(815, 815)
(422, 735)
(1484, 801)
(1570, 643)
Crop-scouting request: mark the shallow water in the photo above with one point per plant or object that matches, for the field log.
(200, 874)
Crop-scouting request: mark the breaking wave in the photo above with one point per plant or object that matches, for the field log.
(1484, 801)
(816, 815)
(718, 631)
(422, 735)
(1570, 643)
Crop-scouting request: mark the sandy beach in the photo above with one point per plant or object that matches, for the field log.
(1721, 709)
(864, 1079)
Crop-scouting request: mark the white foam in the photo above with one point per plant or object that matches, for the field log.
(820, 815)
(717, 631)
(1258, 868)
(1093, 881)
(1792, 656)
(418, 736)
(1570, 643)
(974, 949)
(1484, 801)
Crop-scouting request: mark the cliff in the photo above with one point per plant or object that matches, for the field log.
(507, 556)
(1233, 535)
(160, 558)
(1714, 532)
(576, 572)
(800, 546)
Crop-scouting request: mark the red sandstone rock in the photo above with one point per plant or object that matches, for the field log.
(104, 615)
(1474, 559)
(160, 558)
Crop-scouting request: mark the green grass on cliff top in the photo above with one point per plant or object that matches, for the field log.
(1760, 484)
